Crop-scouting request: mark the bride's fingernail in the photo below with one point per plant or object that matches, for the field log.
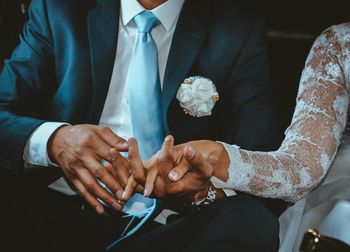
(145, 192)
(174, 176)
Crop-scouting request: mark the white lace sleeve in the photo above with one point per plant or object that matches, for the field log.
(312, 139)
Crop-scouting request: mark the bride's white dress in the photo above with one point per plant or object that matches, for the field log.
(316, 148)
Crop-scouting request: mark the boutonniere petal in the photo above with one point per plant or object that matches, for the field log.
(197, 96)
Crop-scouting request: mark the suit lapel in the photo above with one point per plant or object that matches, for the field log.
(189, 36)
(103, 23)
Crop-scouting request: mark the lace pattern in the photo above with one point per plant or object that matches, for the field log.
(315, 133)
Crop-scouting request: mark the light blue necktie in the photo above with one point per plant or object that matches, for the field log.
(146, 116)
(144, 88)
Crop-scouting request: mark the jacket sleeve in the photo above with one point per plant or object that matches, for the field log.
(252, 120)
(25, 84)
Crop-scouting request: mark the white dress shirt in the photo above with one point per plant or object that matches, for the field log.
(116, 111)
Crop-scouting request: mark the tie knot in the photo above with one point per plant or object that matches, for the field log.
(146, 21)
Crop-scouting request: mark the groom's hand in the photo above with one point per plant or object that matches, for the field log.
(86, 153)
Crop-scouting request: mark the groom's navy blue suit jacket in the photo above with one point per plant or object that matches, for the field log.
(62, 69)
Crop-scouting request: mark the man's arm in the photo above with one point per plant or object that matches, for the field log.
(35, 150)
(24, 86)
(27, 84)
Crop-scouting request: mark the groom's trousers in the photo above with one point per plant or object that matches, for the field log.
(50, 221)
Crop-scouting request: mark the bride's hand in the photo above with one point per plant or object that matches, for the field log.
(191, 170)
(212, 152)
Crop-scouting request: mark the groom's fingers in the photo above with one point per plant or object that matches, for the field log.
(165, 159)
(111, 138)
(89, 198)
(120, 167)
(129, 189)
(198, 162)
(179, 171)
(137, 168)
(166, 152)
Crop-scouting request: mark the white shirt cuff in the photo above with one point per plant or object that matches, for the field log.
(35, 151)
(229, 192)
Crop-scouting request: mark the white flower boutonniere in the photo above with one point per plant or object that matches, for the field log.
(197, 96)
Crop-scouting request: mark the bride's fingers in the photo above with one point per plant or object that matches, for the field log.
(137, 168)
(198, 162)
(150, 181)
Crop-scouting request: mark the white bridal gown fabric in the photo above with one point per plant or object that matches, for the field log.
(316, 148)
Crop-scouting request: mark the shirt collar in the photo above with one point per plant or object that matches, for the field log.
(167, 13)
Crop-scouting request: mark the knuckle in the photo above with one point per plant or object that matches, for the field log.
(115, 187)
(99, 172)
(79, 151)
(117, 140)
(108, 199)
(138, 177)
(90, 185)
(164, 156)
(163, 159)
(85, 138)
(170, 190)
(104, 130)
(106, 154)
(123, 183)
(207, 174)
(83, 192)
(71, 171)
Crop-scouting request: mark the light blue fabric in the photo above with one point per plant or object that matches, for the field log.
(144, 88)
(147, 213)
(145, 107)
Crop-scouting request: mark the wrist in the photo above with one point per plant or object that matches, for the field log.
(220, 194)
(219, 159)
(53, 142)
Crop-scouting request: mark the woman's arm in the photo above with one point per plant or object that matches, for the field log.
(312, 139)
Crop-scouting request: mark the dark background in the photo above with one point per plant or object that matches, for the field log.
(292, 26)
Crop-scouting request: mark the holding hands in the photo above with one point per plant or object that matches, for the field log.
(89, 154)
(181, 171)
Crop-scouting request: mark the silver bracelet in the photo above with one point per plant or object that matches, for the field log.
(211, 196)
